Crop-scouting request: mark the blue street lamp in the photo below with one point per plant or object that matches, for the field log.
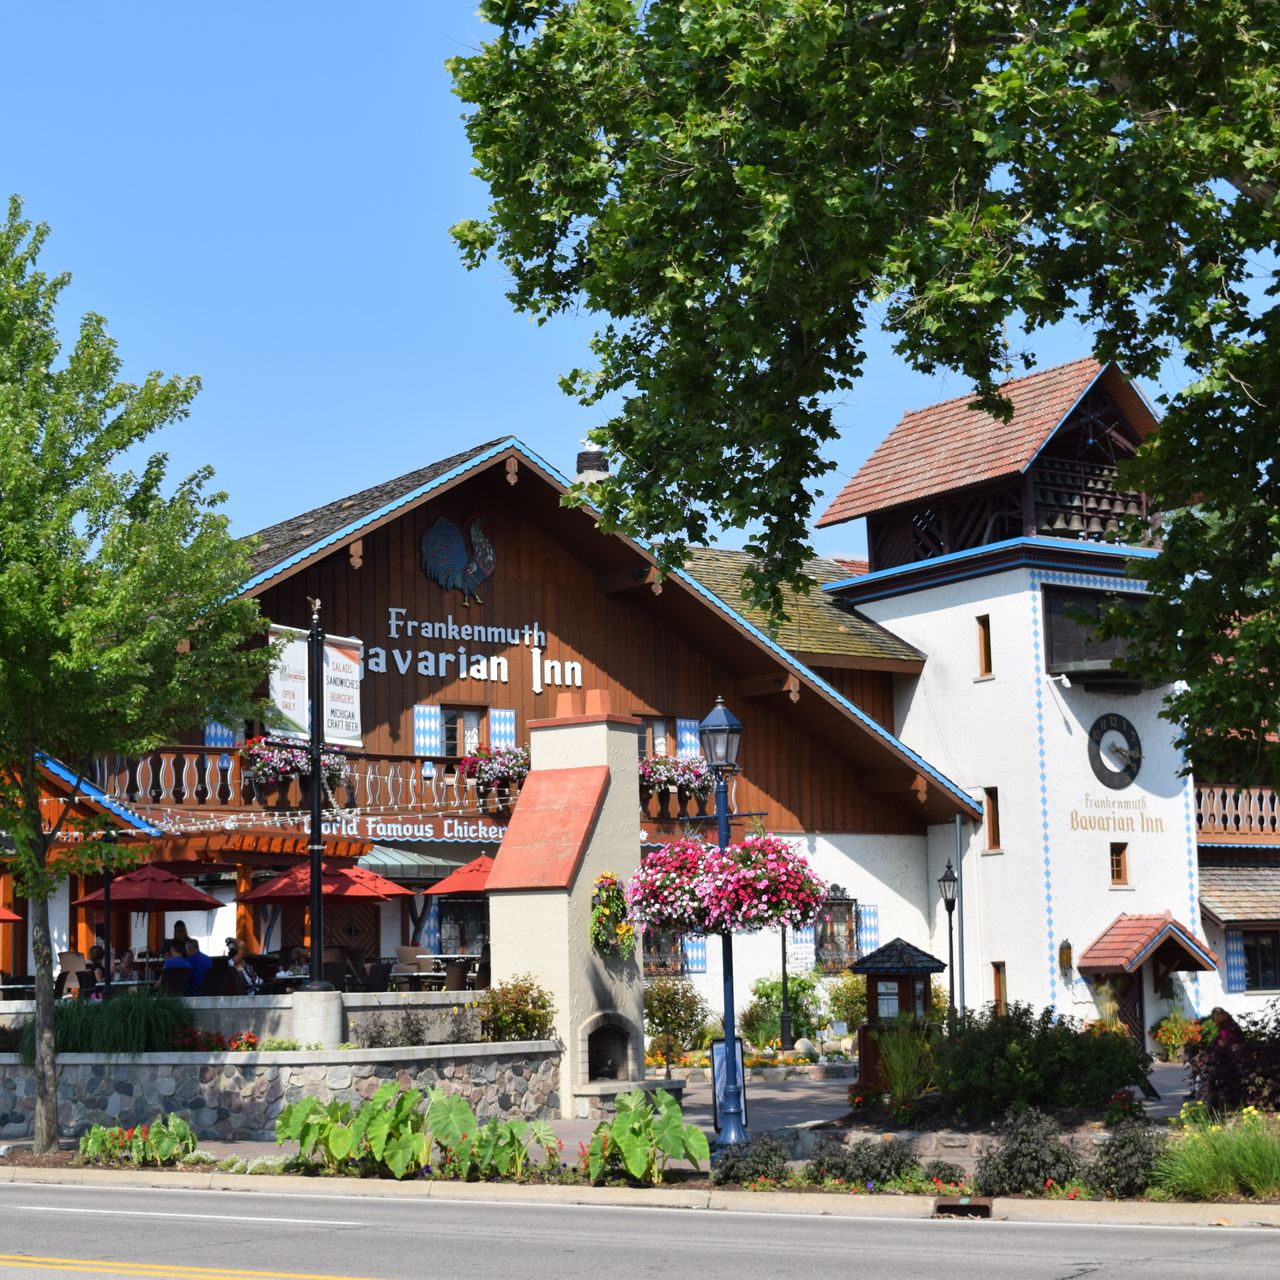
(721, 735)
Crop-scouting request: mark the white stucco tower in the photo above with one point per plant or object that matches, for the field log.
(991, 545)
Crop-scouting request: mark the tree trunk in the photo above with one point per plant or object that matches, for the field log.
(46, 1128)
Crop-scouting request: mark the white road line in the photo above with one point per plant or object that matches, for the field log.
(388, 1201)
(197, 1217)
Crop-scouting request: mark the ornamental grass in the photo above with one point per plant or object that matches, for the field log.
(1220, 1159)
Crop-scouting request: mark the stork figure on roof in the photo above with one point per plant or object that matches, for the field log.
(447, 562)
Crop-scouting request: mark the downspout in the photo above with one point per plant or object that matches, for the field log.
(960, 909)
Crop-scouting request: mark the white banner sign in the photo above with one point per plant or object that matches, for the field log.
(343, 663)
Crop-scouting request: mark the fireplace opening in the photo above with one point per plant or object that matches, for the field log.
(607, 1053)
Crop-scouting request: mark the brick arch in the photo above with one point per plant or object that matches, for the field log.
(612, 1018)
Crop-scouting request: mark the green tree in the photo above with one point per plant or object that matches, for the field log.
(674, 1013)
(738, 189)
(120, 622)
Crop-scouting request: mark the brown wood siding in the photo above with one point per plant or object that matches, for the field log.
(870, 691)
(626, 642)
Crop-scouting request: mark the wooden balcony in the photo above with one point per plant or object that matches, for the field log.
(210, 778)
(1245, 815)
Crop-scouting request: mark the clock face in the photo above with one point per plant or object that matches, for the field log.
(1115, 751)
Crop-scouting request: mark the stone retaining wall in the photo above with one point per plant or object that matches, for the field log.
(796, 1071)
(239, 1095)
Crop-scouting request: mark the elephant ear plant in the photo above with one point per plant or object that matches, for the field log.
(645, 1135)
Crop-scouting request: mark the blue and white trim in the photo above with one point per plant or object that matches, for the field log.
(1042, 767)
(1237, 979)
(694, 946)
(868, 927)
(688, 744)
(86, 790)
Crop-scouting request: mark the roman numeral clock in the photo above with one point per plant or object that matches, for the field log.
(1115, 751)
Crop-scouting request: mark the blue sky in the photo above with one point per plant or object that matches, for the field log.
(261, 194)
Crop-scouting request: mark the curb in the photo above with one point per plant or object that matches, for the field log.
(1135, 1213)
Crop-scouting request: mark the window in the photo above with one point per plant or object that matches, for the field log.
(984, 645)
(836, 941)
(887, 1006)
(663, 952)
(656, 738)
(1119, 864)
(992, 795)
(1262, 960)
(999, 992)
(460, 728)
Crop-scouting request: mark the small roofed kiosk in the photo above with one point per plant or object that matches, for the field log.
(899, 981)
(1116, 957)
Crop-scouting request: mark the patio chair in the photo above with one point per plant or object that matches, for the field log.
(85, 981)
(335, 974)
(60, 984)
(377, 976)
(408, 955)
(455, 975)
(479, 980)
(175, 981)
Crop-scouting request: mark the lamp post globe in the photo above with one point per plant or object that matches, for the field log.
(720, 734)
(948, 884)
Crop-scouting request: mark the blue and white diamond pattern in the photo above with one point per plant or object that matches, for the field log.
(688, 744)
(428, 934)
(222, 735)
(868, 927)
(502, 728)
(1036, 579)
(695, 953)
(428, 731)
(1235, 961)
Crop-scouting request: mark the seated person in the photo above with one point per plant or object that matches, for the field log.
(179, 935)
(200, 966)
(97, 957)
(297, 964)
(176, 959)
(240, 963)
(124, 968)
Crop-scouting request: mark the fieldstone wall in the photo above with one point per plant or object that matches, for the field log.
(239, 1095)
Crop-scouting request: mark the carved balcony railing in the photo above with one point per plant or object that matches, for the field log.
(1244, 815)
(669, 810)
(212, 778)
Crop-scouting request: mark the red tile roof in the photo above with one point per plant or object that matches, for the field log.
(1129, 941)
(951, 445)
(549, 828)
(856, 568)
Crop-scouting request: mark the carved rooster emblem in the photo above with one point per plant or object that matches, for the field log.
(448, 563)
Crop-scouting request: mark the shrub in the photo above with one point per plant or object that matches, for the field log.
(868, 1161)
(745, 1162)
(1123, 1105)
(11, 1038)
(1242, 1075)
(674, 1013)
(847, 1000)
(989, 1062)
(1213, 1160)
(401, 1029)
(1175, 1032)
(148, 1022)
(1125, 1165)
(518, 1009)
(1031, 1159)
(804, 998)
(945, 1171)
(279, 1044)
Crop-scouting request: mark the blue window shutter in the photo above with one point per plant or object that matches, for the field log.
(1236, 980)
(222, 735)
(688, 744)
(428, 933)
(428, 732)
(868, 927)
(695, 953)
(502, 728)
(804, 937)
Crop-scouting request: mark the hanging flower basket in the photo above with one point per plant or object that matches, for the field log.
(612, 933)
(508, 767)
(272, 762)
(691, 777)
(760, 883)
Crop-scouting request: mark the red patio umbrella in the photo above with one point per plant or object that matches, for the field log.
(335, 882)
(150, 888)
(469, 878)
(8, 917)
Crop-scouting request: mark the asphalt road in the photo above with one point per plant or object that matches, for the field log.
(209, 1235)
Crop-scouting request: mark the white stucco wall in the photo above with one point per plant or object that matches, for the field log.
(1026, 735)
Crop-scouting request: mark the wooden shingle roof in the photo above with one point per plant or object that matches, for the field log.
(952, 445)
(818, 624)
(1241, 893)
(898, 956)
(278, 542)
